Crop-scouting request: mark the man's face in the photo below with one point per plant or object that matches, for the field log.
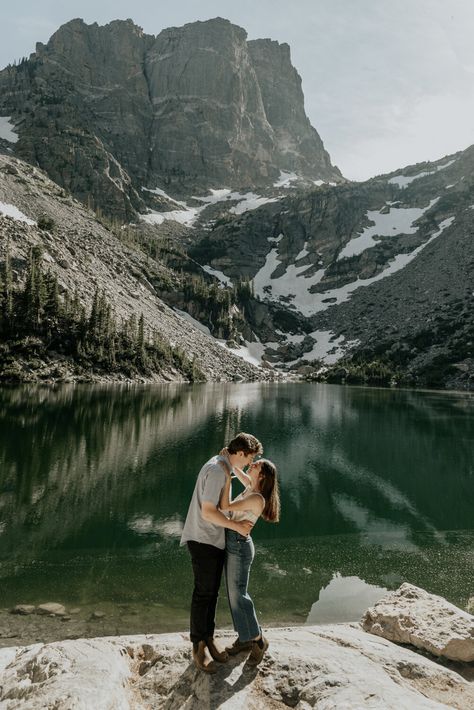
(246, 459)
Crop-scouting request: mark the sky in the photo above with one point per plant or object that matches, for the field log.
(387, 83)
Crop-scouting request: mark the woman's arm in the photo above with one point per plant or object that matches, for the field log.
(242, 476)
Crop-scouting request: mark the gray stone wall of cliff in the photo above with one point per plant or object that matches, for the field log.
(299, 147)
(108, 110)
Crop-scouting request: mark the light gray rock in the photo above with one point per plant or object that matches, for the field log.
(51, 608)
(411, 615)
(337, 667)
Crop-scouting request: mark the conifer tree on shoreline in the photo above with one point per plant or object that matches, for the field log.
(36, 321)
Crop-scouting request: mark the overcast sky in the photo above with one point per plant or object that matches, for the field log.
(387, 83)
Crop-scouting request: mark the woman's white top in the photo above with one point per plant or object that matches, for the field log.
(239, 515)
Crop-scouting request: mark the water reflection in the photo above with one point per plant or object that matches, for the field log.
(95, 483)
(344, 599)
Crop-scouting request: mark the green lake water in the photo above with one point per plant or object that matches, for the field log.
(377, 488)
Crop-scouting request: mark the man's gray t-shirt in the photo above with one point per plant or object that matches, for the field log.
(209, 484)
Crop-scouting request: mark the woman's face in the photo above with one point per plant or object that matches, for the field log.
(254, 473)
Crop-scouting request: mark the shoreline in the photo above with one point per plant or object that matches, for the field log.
(331, 666)
(280, 378)
(395, 657)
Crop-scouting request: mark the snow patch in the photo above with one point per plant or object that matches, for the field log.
(188, 214)
(292, 286)
(250, 352)
(326, 348)
(295, 339)
(162, 193)
(12, 211)
(397, 221)
(318, 183)
(288, 287)
(275, 239)
(404, 180)
(250, 201)
(7, 129)
(285, 179)
(225, 280)
(304, 252)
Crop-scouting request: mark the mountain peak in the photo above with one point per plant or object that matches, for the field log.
(193, 108)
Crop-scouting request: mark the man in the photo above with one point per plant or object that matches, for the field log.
(204, 534)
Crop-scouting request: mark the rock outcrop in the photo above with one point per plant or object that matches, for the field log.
(411, 615)
(106, 111)
(308, 667)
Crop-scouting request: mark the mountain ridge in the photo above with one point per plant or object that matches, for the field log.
(108, 110)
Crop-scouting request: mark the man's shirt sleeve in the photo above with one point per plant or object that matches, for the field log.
(213, 484)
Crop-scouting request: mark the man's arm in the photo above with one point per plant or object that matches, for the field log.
(253, 502)
(211, 514)
(225, 496)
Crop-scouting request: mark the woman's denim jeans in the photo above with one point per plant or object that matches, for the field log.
(240, 552)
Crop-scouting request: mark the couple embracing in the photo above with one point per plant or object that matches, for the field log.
(217, 534)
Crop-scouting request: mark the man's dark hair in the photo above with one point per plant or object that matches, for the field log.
(245, 442)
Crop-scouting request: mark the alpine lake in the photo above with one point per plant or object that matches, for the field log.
(377, 488)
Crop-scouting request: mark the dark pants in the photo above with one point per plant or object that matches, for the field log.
(208, 563)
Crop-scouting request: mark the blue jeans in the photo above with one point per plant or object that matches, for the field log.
(239, 554)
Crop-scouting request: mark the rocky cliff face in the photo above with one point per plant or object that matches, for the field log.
(382, 269)
(299, 147)
(106, 111)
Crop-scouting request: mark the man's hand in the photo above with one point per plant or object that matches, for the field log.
(244, 527)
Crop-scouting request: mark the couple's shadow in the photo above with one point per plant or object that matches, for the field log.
(208, 691)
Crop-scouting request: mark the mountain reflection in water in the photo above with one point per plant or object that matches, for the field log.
(377, 485)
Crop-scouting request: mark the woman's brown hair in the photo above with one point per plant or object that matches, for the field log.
(270, 490)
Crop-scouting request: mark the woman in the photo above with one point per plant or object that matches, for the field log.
(260, 498)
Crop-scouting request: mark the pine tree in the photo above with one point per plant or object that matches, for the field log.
(7, 292)
(34, 292)
(141, 353)
(93, 318)
(51, 306)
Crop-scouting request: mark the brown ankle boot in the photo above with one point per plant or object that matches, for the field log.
(201, 660)
(238, 646)
(258, 651)
(216, 653)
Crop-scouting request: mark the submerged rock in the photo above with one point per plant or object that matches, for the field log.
(23, 609)
(51, 608)
(411, 615)
(98, 615)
